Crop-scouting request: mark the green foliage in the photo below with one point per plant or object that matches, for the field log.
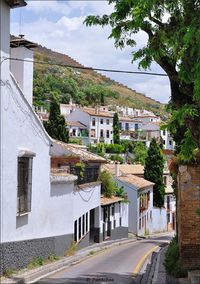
(100, 149)
(75, 140)
(120, 192)
(172, 259)
(81, 169)
(174, 44)
(36, 262)
(108, 186)
(114, 148)
(53, 257)
(116, 157)
(140, 152)
(198, 212)
(72, 249)
(116, 129)
(153, 171)
(56, 126)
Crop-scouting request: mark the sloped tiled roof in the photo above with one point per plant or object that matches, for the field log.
(113, 199)
(76, 124)
(138, 182)
(125, 169)
(68, 149)
(94, 112)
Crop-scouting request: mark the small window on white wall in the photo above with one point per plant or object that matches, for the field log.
(24, 188)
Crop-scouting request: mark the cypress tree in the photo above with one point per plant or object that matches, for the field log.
(116, 129)
(153, 171)
(56, 125)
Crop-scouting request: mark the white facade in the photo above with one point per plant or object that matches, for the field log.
(168, 142)
(140, 218)
(100, 128)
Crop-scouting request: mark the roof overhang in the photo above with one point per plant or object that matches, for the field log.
(16, 3)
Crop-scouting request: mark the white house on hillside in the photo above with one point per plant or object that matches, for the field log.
(98, 122)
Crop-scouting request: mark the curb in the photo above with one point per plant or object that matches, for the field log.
(48, 269)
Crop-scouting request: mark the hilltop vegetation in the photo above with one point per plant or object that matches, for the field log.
(85, 87)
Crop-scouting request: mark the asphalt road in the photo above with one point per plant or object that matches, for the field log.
(115, 265)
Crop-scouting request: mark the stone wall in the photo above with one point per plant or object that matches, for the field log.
(188, 220)
(17, 255)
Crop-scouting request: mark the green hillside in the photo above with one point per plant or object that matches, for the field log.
(85, 87)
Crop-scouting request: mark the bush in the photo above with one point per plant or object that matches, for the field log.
(172, 259)
(116, 157)
(114, 148)
(107, 184)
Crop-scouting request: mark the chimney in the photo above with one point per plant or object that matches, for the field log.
(117, 171)
(23, 69)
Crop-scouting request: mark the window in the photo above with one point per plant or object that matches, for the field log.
(83, 225)
(101, 121)
(140, 224)
(120, 125)
(170, 142)
(93, 133)
(75, 231)
(79, 228)
(74, 132)
(165, 180)
(136, 126)
(107, 121)
(101, 133)
(168, 218)
(93, 122)
(24, 190)
(163, 142)
(113, 210)
(164, 132)
(86, 222)
(126, 126)
(168, 202)
(107, 133)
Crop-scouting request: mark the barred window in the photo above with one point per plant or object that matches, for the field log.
(24, 185)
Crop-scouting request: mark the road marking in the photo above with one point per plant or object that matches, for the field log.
(140, 263)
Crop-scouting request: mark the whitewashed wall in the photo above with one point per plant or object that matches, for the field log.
(85, 200)
(159, 223)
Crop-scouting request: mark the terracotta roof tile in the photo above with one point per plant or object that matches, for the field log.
(125, 169)
(113, 199)
(139, 182)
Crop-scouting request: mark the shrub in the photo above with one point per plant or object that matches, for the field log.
(72, 249)
(107, 184)
(172, 259)
(114, 148)
(116, 157)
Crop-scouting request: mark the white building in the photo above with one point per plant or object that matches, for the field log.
(140, 195)
(167, 139)
(36, 207)
(99, 124)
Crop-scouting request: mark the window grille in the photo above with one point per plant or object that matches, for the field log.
(24, 190)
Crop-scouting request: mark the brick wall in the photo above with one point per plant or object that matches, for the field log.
(57, 162)
(188, 220)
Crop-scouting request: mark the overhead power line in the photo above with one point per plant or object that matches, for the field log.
(88, 68)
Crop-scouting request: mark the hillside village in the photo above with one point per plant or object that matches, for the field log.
(58, 186)
(55, 194)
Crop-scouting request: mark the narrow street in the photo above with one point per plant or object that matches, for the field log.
(115, 265)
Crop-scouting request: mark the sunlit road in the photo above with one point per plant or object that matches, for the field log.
(114, 265)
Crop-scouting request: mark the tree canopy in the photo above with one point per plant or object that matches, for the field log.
(116, 130)
(172, 27)
(153, 171)
(56, 126)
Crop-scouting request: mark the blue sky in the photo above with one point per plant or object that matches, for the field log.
(58, 25)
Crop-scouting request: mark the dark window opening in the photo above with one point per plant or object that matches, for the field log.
(24, 184)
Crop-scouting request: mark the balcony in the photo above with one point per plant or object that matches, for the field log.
(89, 174)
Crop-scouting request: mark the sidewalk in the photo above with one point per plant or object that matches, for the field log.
(156, 273)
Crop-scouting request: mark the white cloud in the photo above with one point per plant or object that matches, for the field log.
(89, 45)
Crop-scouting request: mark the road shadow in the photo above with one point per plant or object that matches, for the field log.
(112, 278)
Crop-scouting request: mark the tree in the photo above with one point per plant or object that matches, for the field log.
(116, 129)
(108, 186)
(56, 126)
(140, 152)
(153, 171)
(172, 28)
